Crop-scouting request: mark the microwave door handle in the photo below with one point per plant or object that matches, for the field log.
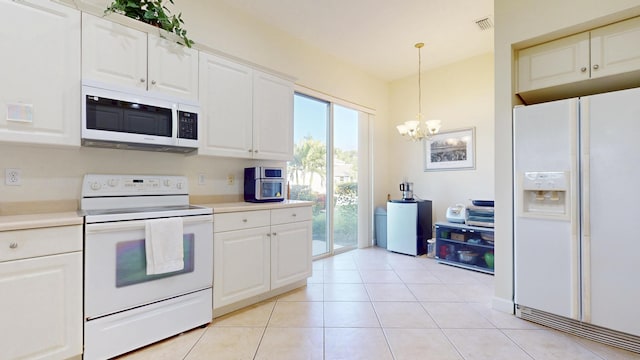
(174, 122)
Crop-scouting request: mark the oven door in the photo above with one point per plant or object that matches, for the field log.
(270, 189)
(115, 265)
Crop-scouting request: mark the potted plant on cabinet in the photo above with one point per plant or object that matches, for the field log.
(152, 12)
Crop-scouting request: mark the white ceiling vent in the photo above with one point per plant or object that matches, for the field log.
(484, 23)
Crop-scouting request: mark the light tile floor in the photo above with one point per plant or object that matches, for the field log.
(373, 304)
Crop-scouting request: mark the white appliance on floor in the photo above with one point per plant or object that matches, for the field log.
(408, 226)
(125, 305)
(577, 254)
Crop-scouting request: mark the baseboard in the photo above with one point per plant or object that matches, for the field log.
(503, 305)
(217, 312)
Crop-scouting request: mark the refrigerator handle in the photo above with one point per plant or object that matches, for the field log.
(585, 207)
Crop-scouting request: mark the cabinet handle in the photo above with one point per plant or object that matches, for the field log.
(244, 220)
(13, 245)
(250, 150)
(294, 215)
(142, 80)
(255, 151)
(596, 67)
(153, 82)
(274, 234)
(269, 235)
(583, 69)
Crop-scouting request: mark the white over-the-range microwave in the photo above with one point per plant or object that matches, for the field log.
(122, 118)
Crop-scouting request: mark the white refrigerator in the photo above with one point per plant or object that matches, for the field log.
(576, 204)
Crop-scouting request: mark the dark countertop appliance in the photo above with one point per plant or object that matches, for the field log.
(263, 184)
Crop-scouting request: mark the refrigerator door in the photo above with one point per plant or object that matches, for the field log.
(546, 251)
(610, 127)
(401, 227)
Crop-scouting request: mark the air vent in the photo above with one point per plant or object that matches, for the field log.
(485, 23)
(581, 329)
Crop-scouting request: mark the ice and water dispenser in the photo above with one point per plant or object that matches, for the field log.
(545, 194)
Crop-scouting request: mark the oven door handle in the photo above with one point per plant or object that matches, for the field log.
(140, 224)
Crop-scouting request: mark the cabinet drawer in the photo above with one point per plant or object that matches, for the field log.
(289, 215)
(22, 244)
(240, 220)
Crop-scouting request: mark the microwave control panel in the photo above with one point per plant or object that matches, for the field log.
(187, 125)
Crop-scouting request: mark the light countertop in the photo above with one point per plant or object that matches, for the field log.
(32, 221)
(219, 208)
(42, 220)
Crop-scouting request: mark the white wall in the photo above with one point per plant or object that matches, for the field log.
(461, 95)
(54, 174)
(520, 23)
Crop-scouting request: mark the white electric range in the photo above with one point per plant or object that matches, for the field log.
(124, 307)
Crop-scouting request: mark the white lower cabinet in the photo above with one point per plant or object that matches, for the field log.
(241, 265)
(41, 294)
(258, 252)
(290, 248)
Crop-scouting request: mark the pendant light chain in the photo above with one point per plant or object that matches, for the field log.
(419, 47)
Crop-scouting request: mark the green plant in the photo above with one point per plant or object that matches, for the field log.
(153, 13)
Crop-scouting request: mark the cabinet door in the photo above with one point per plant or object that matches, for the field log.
(226, 100)
(290, 253)
(554, 63)
(40, 72)
(113, 53)
(614, 48)
(272, 117)
(241, 265)
(41, 307)
(172, 68)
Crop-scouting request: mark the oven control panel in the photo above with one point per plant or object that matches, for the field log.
(95, 185)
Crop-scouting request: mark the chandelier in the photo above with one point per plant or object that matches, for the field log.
(412, 128)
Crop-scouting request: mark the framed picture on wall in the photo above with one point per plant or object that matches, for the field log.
(450, 150)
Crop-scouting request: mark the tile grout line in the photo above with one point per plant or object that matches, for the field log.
(197, 340)
(264, 331)
(517, 344)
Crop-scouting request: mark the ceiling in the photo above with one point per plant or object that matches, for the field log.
(378, 36)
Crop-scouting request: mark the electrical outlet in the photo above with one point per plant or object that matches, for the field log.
(231, 179)
(12, 177)
(202, 179)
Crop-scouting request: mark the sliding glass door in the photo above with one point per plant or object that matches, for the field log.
(308, 171)
(345, 177)
(325, 170)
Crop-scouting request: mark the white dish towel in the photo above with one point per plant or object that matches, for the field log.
(163, 245)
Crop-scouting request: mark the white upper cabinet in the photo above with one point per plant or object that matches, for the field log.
(172, 68)
(599, 53)
(113, 53)
(248, 113)
(226, 101)
(272, 117)
(40, 72)
(615, 48)
(557, 62)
